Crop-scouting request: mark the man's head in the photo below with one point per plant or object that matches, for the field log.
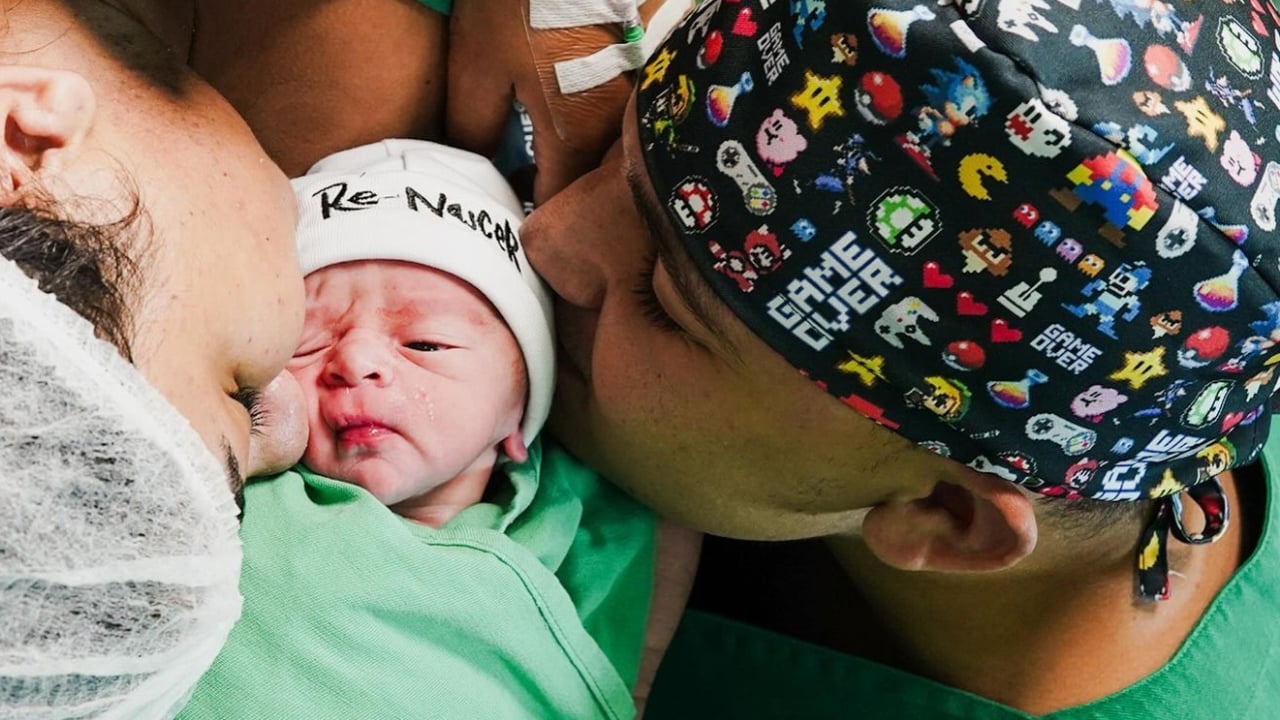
(422, 317)
(958, 232)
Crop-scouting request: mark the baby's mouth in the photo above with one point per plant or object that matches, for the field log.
(362, 433)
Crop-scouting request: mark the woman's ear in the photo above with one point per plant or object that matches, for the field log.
(47, 114)
(975, 522)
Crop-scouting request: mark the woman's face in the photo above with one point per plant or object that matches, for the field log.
(221, 296)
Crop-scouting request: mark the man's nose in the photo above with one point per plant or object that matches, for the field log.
(563, 255)
(355, 361)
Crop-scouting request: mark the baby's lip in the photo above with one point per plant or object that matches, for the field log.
(361, 432)
(355, 424)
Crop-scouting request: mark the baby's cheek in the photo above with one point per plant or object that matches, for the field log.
(282, 438)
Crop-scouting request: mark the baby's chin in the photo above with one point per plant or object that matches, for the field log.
(385, 479)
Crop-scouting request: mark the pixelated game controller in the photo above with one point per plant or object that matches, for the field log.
(1073, 439)
(757, 194)
(902, 319)
(1266, 197)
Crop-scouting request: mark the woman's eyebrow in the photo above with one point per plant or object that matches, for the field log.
(235, 478)
(692, 289)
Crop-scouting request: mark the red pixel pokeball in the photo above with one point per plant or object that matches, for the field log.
(964, 355)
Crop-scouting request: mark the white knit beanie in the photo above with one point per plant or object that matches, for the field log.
(448, 209)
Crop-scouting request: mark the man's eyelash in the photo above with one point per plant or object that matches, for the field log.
(649, 303)
(251, 399)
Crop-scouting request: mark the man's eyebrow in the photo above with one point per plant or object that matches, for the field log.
(692, 289)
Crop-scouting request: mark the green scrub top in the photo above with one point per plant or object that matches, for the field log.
(529, 605)
(1228, 667)
(444, 7)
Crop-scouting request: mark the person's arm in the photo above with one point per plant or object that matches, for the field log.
(675, 565)
(312, 77)
(494, 55)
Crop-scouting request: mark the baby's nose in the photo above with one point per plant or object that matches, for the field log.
(357, 361)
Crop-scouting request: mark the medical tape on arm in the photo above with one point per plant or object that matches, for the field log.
(585, 73)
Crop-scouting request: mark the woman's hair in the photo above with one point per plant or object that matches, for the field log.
(87, 266)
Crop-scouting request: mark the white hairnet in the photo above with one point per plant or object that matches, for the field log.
(119, 555)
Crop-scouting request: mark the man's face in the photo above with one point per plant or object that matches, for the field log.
(669, 395)
(410, 378)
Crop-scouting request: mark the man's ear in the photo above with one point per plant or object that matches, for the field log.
(47, 114)
(513, 447)
(974, 522)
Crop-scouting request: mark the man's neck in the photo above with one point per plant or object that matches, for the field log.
(1035, 639)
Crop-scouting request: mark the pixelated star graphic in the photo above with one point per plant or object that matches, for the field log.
(656, 70)
(1169, 485)
(819, 98)
(868, 369)
(1202, 121)
(1141, 367)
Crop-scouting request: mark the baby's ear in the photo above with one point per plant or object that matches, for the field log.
(513, 447)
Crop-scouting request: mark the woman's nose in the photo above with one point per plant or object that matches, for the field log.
(355, 361)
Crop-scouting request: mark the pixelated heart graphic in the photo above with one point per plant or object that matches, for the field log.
(967, 305)
(934, 277)
(744, 25)
(1002, 333)
(1231, 420)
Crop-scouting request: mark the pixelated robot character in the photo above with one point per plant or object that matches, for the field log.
(1116, 296)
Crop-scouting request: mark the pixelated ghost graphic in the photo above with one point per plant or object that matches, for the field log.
(1091, 265)
(1036, 130)
(1070, 249)
(804, 230)
(1048, 233)
(1026, 214)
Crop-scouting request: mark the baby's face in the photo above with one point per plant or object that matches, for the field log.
(410, 378)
